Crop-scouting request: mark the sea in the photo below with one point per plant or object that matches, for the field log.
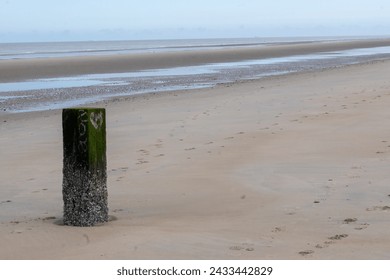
(61, 92)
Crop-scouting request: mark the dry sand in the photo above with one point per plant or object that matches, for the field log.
(289, 167)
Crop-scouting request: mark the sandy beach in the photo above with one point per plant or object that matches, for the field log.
(286, 167)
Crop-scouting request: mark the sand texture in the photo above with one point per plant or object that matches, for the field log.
(288, 167)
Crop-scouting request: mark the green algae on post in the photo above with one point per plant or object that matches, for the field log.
(84, 185)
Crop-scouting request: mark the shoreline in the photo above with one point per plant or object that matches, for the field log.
(145, 96)
(287, 167)
(53, 93)
(25, 69)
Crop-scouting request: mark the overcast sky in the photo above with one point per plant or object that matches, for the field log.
(59, 20)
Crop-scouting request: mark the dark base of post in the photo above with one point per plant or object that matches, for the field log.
(85, 198)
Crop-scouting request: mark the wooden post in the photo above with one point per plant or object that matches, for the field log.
(84, 186)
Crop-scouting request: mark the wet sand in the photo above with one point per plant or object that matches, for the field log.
(19, 70)
(52, 93)
(288, 167)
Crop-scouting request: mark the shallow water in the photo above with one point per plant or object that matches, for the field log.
(116, 79)
(57, 93)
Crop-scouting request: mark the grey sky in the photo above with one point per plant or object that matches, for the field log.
(26, 20)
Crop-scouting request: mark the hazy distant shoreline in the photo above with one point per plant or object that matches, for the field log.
(9, 51)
